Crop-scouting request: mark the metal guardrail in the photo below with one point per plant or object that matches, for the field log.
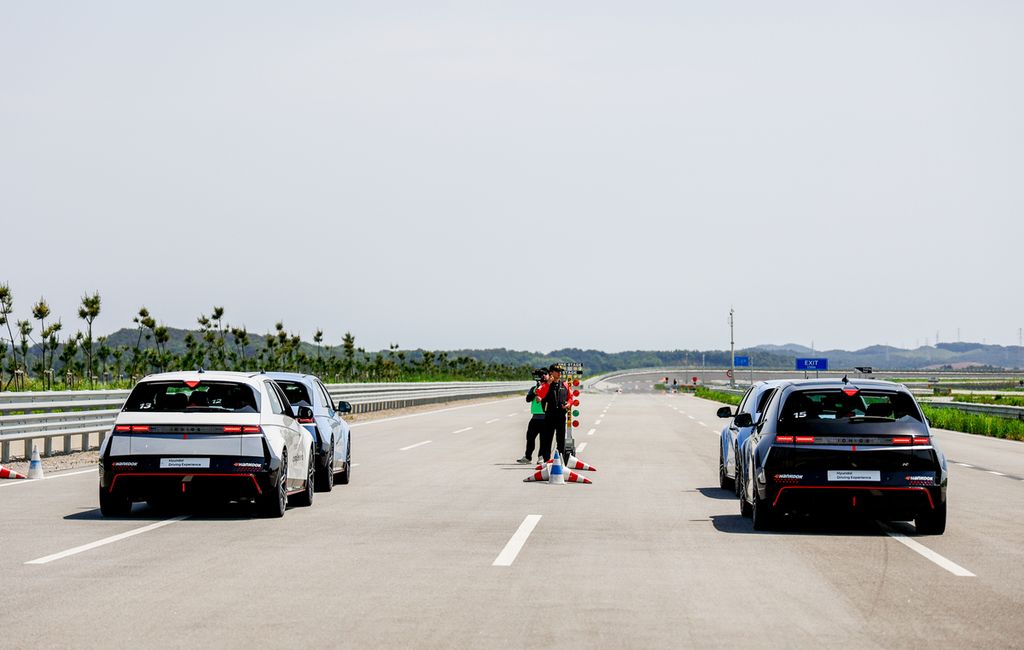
(1008, 412)
(48, 415)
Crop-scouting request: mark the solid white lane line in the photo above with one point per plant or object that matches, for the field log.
(22, 481)
(591, 432)
(107, 540)
(418, 444)
(511, 551)
(419, 415)
(462, 430)
(928, 553)
(492, 421)
(581, 447)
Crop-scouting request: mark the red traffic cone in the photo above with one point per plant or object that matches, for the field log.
(539, 475)
(573, 477)
(576, 463)
(10, 473)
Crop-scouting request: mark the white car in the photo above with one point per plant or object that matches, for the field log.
(227, 435)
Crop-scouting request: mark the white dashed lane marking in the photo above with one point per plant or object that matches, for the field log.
(511, 551)
(591, 432)
(928, 553)
(462, 430)
(106, 540)
(492, 421)
(581, 447)
(418, 444)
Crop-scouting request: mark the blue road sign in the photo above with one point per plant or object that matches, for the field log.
(812, 364)
(741, 362)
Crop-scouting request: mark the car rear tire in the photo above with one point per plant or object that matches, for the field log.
(275, 501)
(346, 472)
(761, 513)
(325, 474)
(304, 499)
(932, 522)
(724, 481)
(114, 505)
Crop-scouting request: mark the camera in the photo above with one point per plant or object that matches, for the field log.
(539, 374)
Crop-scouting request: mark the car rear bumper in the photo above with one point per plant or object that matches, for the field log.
(903, 502)
(141, 478)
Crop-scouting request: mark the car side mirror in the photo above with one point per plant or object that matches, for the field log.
(304, 413)
(744, 420)
(343, 407)
(725, 412)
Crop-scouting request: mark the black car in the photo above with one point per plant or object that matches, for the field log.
(860, 447)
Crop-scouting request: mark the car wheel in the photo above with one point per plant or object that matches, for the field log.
(114, 505)
(724, 481)
(325, 474)
(761, 513)
(304, 499)
(275, 501)
(346, 472)
(933, 522)
(745, 510)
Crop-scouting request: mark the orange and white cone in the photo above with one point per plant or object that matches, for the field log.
(10, 473)
(576, 463)
(540, 475)
(35, 467)
(573, 477)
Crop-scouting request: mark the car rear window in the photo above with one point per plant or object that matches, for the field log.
(192, 397)
(296, 392)
(874, 405)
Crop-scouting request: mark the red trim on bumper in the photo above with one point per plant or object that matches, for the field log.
(251, 477)
(852, 487)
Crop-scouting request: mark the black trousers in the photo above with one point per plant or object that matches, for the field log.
(533, 429)
(553, 428)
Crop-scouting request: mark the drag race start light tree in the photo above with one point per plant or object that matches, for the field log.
(574, 377)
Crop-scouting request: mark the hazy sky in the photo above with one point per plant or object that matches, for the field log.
(524, 174)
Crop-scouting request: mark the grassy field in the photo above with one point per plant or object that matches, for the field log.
(998, 400)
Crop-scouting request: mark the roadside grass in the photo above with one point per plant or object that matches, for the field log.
(976, 423)
(718, 396)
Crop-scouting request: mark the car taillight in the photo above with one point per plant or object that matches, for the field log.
(902, 441)
(783, 438)
(232, 429)
(922, 440)
(251, 430)
(122, 427)
(908, 440)
(804, 440)
(305, 420)
(132, 427)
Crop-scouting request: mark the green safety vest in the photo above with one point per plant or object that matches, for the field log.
(537, 407)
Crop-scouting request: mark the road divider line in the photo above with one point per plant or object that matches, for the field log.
(992, 471)
(45, 478)
(591, 432)
(581, 447)
(106, 540)
(418, 444)
(928, 553)
(462, 430)
(492, 421)
(515, 544)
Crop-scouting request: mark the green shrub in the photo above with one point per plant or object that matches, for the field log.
(976, 423)
(718, 396)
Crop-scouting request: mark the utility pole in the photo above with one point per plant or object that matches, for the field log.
(732, 349)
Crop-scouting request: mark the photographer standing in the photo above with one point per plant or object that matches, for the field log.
(556, 398)
(536, 425)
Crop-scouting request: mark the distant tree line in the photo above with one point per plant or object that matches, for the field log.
(49, 356)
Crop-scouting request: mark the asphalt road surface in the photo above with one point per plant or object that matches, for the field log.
(438, 543)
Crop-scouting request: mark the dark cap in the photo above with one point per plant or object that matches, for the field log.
(556, 367)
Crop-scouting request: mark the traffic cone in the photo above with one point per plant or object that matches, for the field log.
(557, 471)
(573, 477)
(10, 473)
(576, 463)
(35, 468)
(539, 475)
